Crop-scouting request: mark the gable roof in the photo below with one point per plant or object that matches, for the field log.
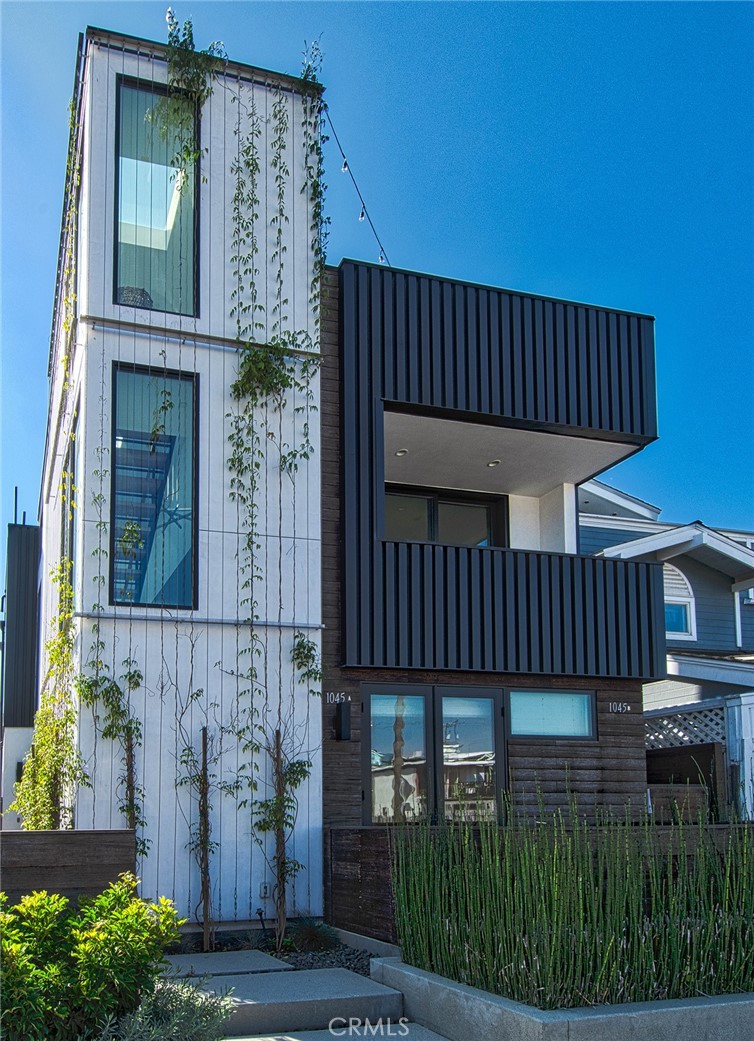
(596, 497)
(694, 540)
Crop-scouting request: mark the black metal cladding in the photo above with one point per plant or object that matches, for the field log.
(451, 345)
(413, 340)
(21, 626)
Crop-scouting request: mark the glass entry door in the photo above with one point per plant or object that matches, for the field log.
(469, 763)
(398, 758)
(433, 752)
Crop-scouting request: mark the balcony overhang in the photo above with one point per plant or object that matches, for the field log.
(446, 453)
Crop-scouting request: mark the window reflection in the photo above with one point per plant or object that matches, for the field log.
(438, 518)
(407, 518)
(550, 714)
(468, 754)
(463, 524)
(156, 201)
(153, 489)
(398, 758)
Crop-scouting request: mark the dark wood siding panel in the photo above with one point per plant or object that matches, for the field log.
(20, 673)
(73, 863)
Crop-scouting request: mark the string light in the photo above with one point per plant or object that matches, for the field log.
(363, 212)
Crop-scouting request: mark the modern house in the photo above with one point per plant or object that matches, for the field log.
(700, 720)
(408, 511)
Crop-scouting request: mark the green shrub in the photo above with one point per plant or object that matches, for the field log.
(173, 1011)
(66, 970)
(559, 913)
(310, 934)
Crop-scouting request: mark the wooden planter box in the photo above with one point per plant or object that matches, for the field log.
(73, 863)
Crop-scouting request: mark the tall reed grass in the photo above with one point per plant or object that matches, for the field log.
(560, 913)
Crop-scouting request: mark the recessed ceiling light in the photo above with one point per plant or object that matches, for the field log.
(401, 452)
(493, 462)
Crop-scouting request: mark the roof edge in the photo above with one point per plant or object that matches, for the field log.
(160, 50)
(496, 289)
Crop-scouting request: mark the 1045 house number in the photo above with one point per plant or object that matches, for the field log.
(336, 697)
(618, 706)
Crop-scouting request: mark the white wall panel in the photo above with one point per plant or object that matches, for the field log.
(159, 640)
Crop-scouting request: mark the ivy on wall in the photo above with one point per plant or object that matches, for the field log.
(54, 768)
(277, 368)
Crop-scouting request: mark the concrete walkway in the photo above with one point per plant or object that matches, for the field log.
(274, 1002)
(225, 963)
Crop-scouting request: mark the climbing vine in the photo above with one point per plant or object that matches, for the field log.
(53, 768)
(277, 367)
(110, 703)
(273, 376)
(313, 126)
(286, 744)
(70, 247)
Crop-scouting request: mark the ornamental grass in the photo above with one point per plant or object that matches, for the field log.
(563, 913)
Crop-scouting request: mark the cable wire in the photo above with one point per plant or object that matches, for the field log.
(364, 211)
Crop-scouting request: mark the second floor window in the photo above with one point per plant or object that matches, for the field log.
(153, 552)
(680, 614)
(155, 235)
(452, 519)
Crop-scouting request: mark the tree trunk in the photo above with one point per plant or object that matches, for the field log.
(203, 837)
(281, 867)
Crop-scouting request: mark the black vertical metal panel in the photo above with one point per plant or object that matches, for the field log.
(410, 339)
(20, 668)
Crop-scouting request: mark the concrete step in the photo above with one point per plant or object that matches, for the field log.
(307, 999)
(406, 1031)
(224, 963)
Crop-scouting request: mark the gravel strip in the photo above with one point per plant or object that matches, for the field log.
(340, 957)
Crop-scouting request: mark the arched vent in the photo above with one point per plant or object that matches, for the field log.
(676, 584)
(680, 615)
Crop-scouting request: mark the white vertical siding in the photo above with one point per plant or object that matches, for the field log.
(160, 641)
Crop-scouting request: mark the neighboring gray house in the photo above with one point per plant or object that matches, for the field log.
(706, 704)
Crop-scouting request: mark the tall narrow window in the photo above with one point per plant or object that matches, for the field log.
(155, 219)
(154, 480)
(468, 757)
(398, 758)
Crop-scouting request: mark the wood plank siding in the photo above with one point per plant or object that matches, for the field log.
(73, 863)
(19, 700)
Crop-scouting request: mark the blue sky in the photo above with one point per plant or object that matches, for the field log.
(599, 152)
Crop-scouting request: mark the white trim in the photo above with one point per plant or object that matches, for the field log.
(737, 611)
(621, 499)
(669, 544)
(678, 590)
(714, 670)
(685, 706)
(595, 520)
(688, 603)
